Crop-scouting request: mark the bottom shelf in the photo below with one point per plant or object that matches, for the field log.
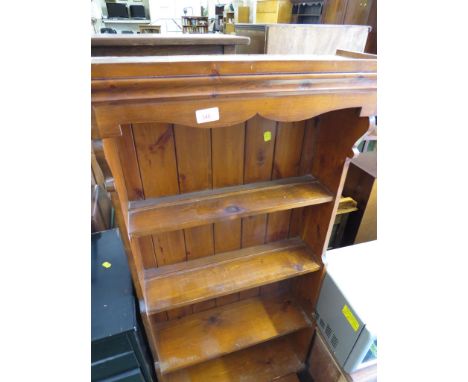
(261, 363)
(219, 331)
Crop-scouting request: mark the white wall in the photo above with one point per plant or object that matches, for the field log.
(96, 14)
(163, 12)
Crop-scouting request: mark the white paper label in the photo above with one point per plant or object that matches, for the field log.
(207, 115)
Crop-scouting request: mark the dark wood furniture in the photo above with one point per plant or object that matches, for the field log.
(361, 185)
(164, 45)
(353, 12)
(229, 171)
(118, 345)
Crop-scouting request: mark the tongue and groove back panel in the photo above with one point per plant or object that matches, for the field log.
(227, 221)
(165, 159)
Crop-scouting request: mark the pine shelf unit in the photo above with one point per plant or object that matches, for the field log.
(227, 221)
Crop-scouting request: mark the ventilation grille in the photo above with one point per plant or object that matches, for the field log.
(322, 324)
(334, 341)
(328, 331)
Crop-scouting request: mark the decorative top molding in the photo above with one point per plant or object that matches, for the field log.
(171, 89)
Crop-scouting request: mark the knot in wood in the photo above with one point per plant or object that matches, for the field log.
(232, 209)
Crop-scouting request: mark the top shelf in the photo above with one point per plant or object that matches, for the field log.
(193, 209)
(248, 64)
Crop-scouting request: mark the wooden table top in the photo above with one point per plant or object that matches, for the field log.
(168, 39)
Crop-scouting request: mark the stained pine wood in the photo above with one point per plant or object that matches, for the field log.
(347, 53)
(331, 168)
(260, 145)
(305, 166)
(228, 168)
(122, 67)
(214, 276)
(261, 363)
(259, 148)
(155, 148)
(346, 206)
(223, 330)
(287, 157)
(133, 184)
(155, 152)
(194, 172)
(111, 152)
(190, 210)
(313, 110)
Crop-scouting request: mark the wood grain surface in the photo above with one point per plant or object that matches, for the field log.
(223, 330)
(214, 276)
(190, 210)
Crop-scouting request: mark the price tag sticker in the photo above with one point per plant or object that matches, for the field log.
(207, 115)
(267, 136)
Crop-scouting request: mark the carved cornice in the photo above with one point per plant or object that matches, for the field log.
(129, 94)
(165, 89)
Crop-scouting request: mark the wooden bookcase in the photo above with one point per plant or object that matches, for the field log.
(228, 220)
(194, 24)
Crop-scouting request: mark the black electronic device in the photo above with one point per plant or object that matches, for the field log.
(137, 12)
(117, 10)
(119, 349)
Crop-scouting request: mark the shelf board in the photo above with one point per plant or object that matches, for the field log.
(210, 334)
(186, 283)
(188, 210)
(260, 363)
